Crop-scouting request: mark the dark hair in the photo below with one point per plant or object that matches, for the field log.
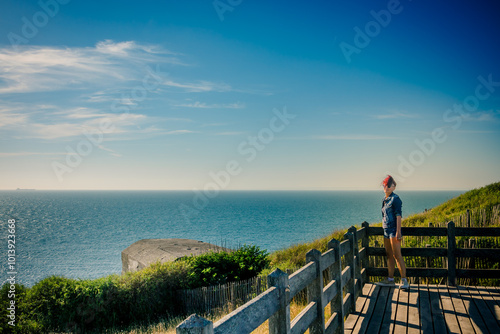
(388, 181)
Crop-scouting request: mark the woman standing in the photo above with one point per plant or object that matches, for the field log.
(391, 221)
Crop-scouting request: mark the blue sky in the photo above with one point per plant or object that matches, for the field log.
(326, 95)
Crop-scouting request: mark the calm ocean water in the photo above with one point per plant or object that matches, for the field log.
(81, 234)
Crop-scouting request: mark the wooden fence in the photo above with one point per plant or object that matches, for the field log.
(343, 283)
(451, 252)
(220, 298)
(274, 303)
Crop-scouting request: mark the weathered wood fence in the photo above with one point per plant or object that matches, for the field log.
(344, 283)
(220, 297)
(451, 252)
(274, 303)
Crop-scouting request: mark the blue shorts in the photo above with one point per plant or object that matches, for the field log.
(390, 232)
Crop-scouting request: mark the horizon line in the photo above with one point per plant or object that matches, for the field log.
(222, 190)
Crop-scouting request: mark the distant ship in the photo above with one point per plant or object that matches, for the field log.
(25, 189)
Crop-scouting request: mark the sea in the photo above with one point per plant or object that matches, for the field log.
(81, 234)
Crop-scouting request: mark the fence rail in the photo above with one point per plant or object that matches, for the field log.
(343, 284)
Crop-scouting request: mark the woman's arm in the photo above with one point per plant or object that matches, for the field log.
(398, 230)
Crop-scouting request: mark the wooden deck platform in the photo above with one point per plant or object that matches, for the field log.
(426, 309)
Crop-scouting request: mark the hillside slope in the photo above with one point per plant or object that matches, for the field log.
(485, 198)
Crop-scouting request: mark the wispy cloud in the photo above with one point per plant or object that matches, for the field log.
(230, 133)
(475, 131)
(484, 116)
(178, 132)
(203, 105)
(23, 121)
(200, 86)
(20, 154)
(12, 116)
(354, 137)
(93, 70)
(395, 115)
(44, 68)
(212, 124)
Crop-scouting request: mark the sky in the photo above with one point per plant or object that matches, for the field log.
(249, 95)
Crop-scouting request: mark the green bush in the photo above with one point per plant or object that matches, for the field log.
(214, 268)
(22, 322)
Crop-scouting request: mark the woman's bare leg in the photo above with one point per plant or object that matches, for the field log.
(391, 264)
(396, 250)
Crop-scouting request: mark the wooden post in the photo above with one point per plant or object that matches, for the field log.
(315, 293)
(195, 325)
(336, 274)
(357, 262)
(351, 286)
(468, 218)
(452, 266)
(279, 323)
(427, 264)
(365, 243)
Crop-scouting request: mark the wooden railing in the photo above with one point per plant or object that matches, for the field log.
(343, 284)
(451, 252)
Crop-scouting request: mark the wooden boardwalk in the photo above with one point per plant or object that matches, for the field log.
(426, 309)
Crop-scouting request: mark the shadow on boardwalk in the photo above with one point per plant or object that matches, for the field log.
(426, 309)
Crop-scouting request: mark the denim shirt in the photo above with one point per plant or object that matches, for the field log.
(391, 208)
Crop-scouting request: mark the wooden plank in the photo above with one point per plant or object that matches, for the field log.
(300, 279)
(451, 259)
(361, 233)
(390, 311)
(425, 309)
(441, 231)
(463, 318)
(369, 298)
(495, 293)
(475, 273)
(436, 310)
(345, 247)
(379, 310)
(471, 308)
(410, 251)
(346, 303)
(476, 231)
(484, 310)
(401, 312)
(332, 324)
(410, 272)
(412, 231)
(490, 301)
(329, 292)
(346, 276)
(490, 253)
(449, 311)
(327, 259)
(413, 313)
(302, 321)
(248, 317)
